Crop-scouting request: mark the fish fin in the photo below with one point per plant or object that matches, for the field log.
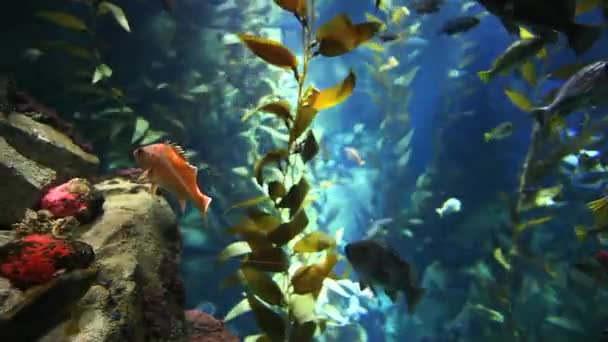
(525, 34)
(362, 285)
(392, 294)
(581, 233)
(182, 204)
(144, 175)
(178, 149)
(414, 295)
(582, 37)
(484, 76)
(439, 212)
(153, 189)
(509, 26)
(202, 203)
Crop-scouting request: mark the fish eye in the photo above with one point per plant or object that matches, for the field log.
(138, 150)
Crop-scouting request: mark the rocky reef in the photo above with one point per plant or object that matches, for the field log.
(133, 291)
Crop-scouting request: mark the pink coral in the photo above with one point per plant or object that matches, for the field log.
(75, 198)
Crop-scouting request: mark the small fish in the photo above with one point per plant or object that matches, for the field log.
(32, 55)
(426, 6)
(450, 206)
(37, 259)
(544, 16)
(354, 155)
(459, 24)
(377, 227)
(587, 87)
(378, 264)
(500, 132)
(164, 165)
(415, 221)
(391, 63)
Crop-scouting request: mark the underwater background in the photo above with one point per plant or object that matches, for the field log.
(400, 142)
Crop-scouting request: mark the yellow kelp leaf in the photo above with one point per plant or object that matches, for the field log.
(270, 322)
(237, 310)
(373, 18)
(249, 202)
(303, 120)
(262, 285)
(233, 250)
(63, 19)
(302, 307)
(520, 100)
(271, 51)
(314, 242)
(599, 204)
(119, 15)
(276, 190)
(281, 108)
(294, 198)
(525, 34)
(499, 256)
(257, 338)
(399, 14)
(309, 278)
(584, 6)
(297, 7)
(270, 157)
(287, 231)
(310, 147)
(256, 220)
(339, 35)
(528, 71)
(303, 331)
(337, 94)
(522, 226)
(268, 259)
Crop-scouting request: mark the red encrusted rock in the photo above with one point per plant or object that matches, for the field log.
(75, 198)
(205, 328)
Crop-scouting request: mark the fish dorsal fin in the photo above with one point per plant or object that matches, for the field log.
(177, 149)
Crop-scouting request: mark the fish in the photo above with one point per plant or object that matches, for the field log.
(515, 55)
(38, 258)
(451, 206)
(354, 155)
(544, 16)
(588, 86)
(169, 5)
(459, 24)
(426, 6)
(377, 264)
(165, 165)
(31, 55)
(502, 131)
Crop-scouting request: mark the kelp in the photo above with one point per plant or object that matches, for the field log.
(271, 239)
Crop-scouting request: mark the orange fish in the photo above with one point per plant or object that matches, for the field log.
(354, 155)
(165, 165)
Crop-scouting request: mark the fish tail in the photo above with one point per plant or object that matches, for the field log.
(484, 76)
(414, 295)
(582, 37)
(580, 232)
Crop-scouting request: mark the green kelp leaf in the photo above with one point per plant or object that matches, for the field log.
(257, 338)
(256, 220)
(294, 198)
(303, 120)
(105, 7)
(287, 231)
(152, 136)
(62, 19)
(281, 108)
(101, 71)
(262, 285)
(141, 126)
(268, 259)
(310, 147)
(270, 157)
(565, 323)
(270, 322)
(301, 332)
(314, 242)
(501, 259)
(276, 190)
(237, 310)
(233, 250)
(249, 202)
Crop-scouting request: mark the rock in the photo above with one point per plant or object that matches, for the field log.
(47, 146)
(21, 181)
(205, 328)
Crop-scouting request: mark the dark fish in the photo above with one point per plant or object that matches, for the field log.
(544, 16)
(378, 264)
(589, 86)
(426, 6)
(46, 305)
(458, 25)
